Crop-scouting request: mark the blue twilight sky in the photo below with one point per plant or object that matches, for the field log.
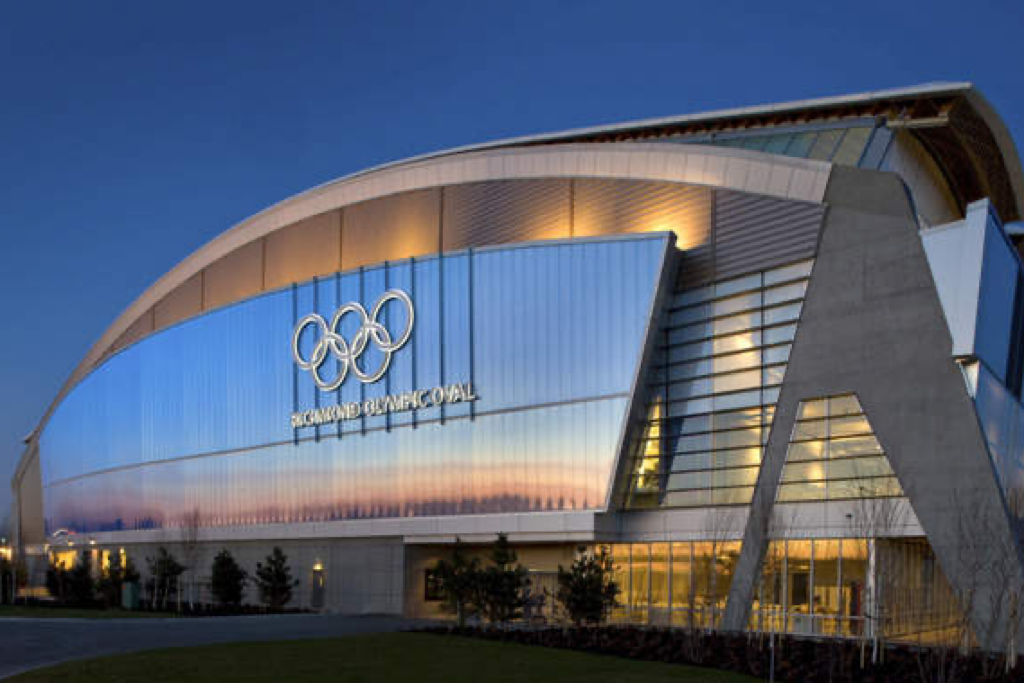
(133, 132)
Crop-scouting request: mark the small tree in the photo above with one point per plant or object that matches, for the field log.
(274, 580)
(57, 581)
(164, 571)
(6, 581)
(20, 573)
(81, 586)
(460, 583)
(504, 583)
(227, 580)
(586, 591)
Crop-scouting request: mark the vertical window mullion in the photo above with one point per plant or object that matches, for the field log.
(671, 571)
(785, 586)
(840, 607)
(810, 587)
(629, 579)
(650, 578)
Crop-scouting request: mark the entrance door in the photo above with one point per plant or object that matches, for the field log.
(316, 595)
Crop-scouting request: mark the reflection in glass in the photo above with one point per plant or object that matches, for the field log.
(826, 587)
(834, 456)
(198, 415)
(639, 582)
(682, 586)
(660, 575)
(716, 395)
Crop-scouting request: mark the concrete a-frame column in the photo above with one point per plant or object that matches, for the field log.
(872, 324)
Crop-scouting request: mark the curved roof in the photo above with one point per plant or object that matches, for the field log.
(953, 120)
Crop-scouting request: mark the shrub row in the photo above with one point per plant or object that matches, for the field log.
(797, 660)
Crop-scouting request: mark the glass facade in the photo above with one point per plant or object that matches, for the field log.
(1002, 420)
(712, 390)
(546, 338)
(997, 339)
(997, 370)
(855, 143)
(833, 455)
(852, 586)
(681, 583)
(980, 281)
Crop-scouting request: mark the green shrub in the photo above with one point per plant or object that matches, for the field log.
(460, 580)
(586, 591)
(274, 581)
(227, 580)
(81, 588)
(503, 584)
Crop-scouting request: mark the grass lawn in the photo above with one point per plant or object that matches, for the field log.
(54, 612)
(393, 657)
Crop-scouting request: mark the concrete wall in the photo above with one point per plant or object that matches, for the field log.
(360, 576)
(872, 324)
(28, 501)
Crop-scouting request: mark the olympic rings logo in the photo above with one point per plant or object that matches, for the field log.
(330, 342)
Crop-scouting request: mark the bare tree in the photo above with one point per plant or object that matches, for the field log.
(191, 522)
(720, 525)
(1015, 505)
(1005, 596)
(874, 518)
(990, 589)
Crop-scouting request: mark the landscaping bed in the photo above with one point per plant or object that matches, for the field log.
(796, 660)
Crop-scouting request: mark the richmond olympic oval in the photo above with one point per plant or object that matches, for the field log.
(714, 345)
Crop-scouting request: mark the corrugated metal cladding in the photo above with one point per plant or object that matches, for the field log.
(390, 228)
(751, 233)
(604, 207)
(499, 212)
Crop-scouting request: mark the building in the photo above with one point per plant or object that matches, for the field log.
(770, 357)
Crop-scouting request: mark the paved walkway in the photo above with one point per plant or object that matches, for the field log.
(31, 643)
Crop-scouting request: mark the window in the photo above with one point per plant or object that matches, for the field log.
(713, 388)
(834, 455)
(432, 589)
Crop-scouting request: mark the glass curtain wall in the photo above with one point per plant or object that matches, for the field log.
(833, 455)
(859, 143)
(844, 587)
(200, 416)
(851, 586)
(713, 389)
(679, 584)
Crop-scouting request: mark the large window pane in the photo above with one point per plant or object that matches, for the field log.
(620, 573)
(806, 450)
(659, 575)
(826, 605)
(851, 446)
(794, 493)
(849, 426)
(722, 389)
(681, 584)
(640, 577)
(798, 586)
(704, 582)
